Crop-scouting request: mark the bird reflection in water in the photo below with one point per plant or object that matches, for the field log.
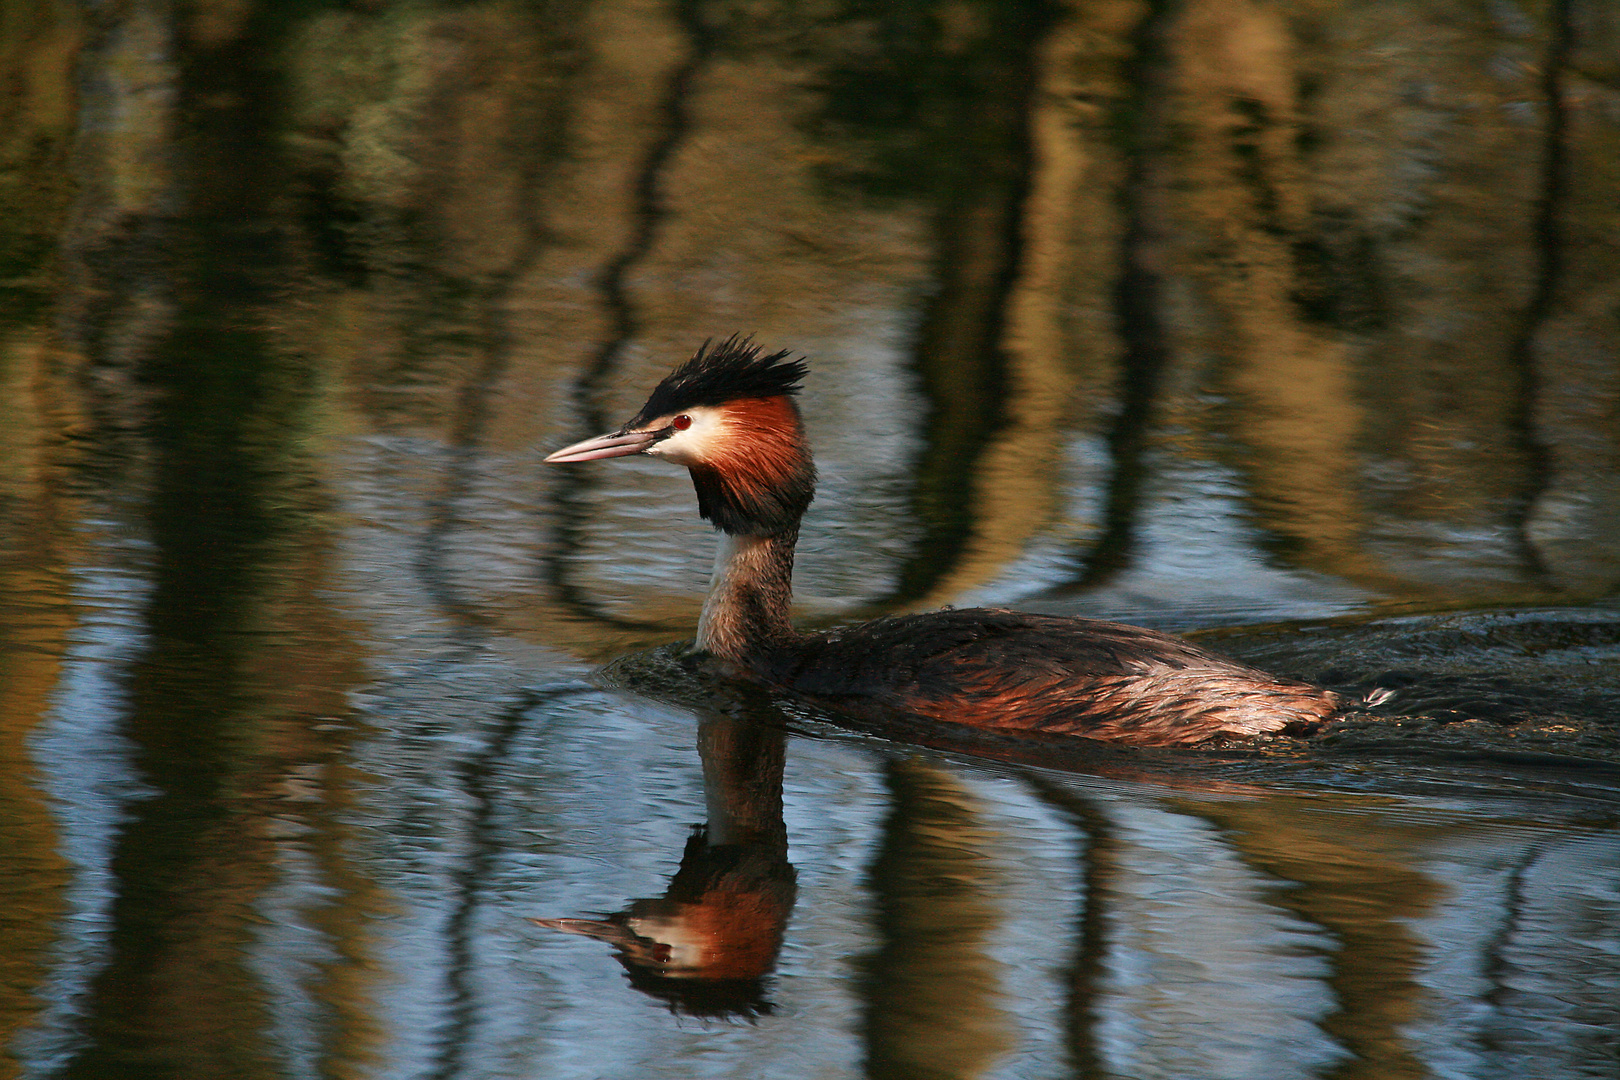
(707, 945)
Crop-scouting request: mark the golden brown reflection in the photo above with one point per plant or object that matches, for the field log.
(1185, 229)
(933, 993)
(1352, 875)
(1110, 221)
(1120, 221)
(1239, 189)
(39, 544)
(706, 945)
(1351, 872)
(36, 625)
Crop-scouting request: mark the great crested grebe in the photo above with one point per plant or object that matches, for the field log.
(729, 415)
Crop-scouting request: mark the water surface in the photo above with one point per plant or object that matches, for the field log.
(1290, 326)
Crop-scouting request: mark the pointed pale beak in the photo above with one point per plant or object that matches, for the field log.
(617, 444)
(600, 929)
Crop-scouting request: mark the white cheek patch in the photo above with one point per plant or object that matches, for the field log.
(689, 948)
(703, 441)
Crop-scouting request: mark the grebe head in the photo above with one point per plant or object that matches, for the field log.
(729, 416)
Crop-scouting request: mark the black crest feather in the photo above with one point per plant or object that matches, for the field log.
(730, 371)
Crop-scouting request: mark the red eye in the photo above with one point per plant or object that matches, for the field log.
(681, 422)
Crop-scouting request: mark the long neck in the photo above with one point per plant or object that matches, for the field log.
(750, 596)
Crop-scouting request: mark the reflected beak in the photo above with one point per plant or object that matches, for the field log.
(600, 929)
(618, 444)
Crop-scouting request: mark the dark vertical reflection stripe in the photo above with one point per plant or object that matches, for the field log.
(177, 997)
(568, 493)
(937, 111)
(544, 141)
(647, 213)
(1138, 299)
(1088, 973)
(932, 990)
(1498, 969)
(1548, 252)
(477, 776)
(978, 224)
(1360, 890)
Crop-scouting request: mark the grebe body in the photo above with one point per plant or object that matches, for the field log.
(729, 415)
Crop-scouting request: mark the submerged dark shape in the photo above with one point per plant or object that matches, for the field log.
(729, 416)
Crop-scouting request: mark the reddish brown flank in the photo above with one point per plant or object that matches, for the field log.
(1170, 709)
